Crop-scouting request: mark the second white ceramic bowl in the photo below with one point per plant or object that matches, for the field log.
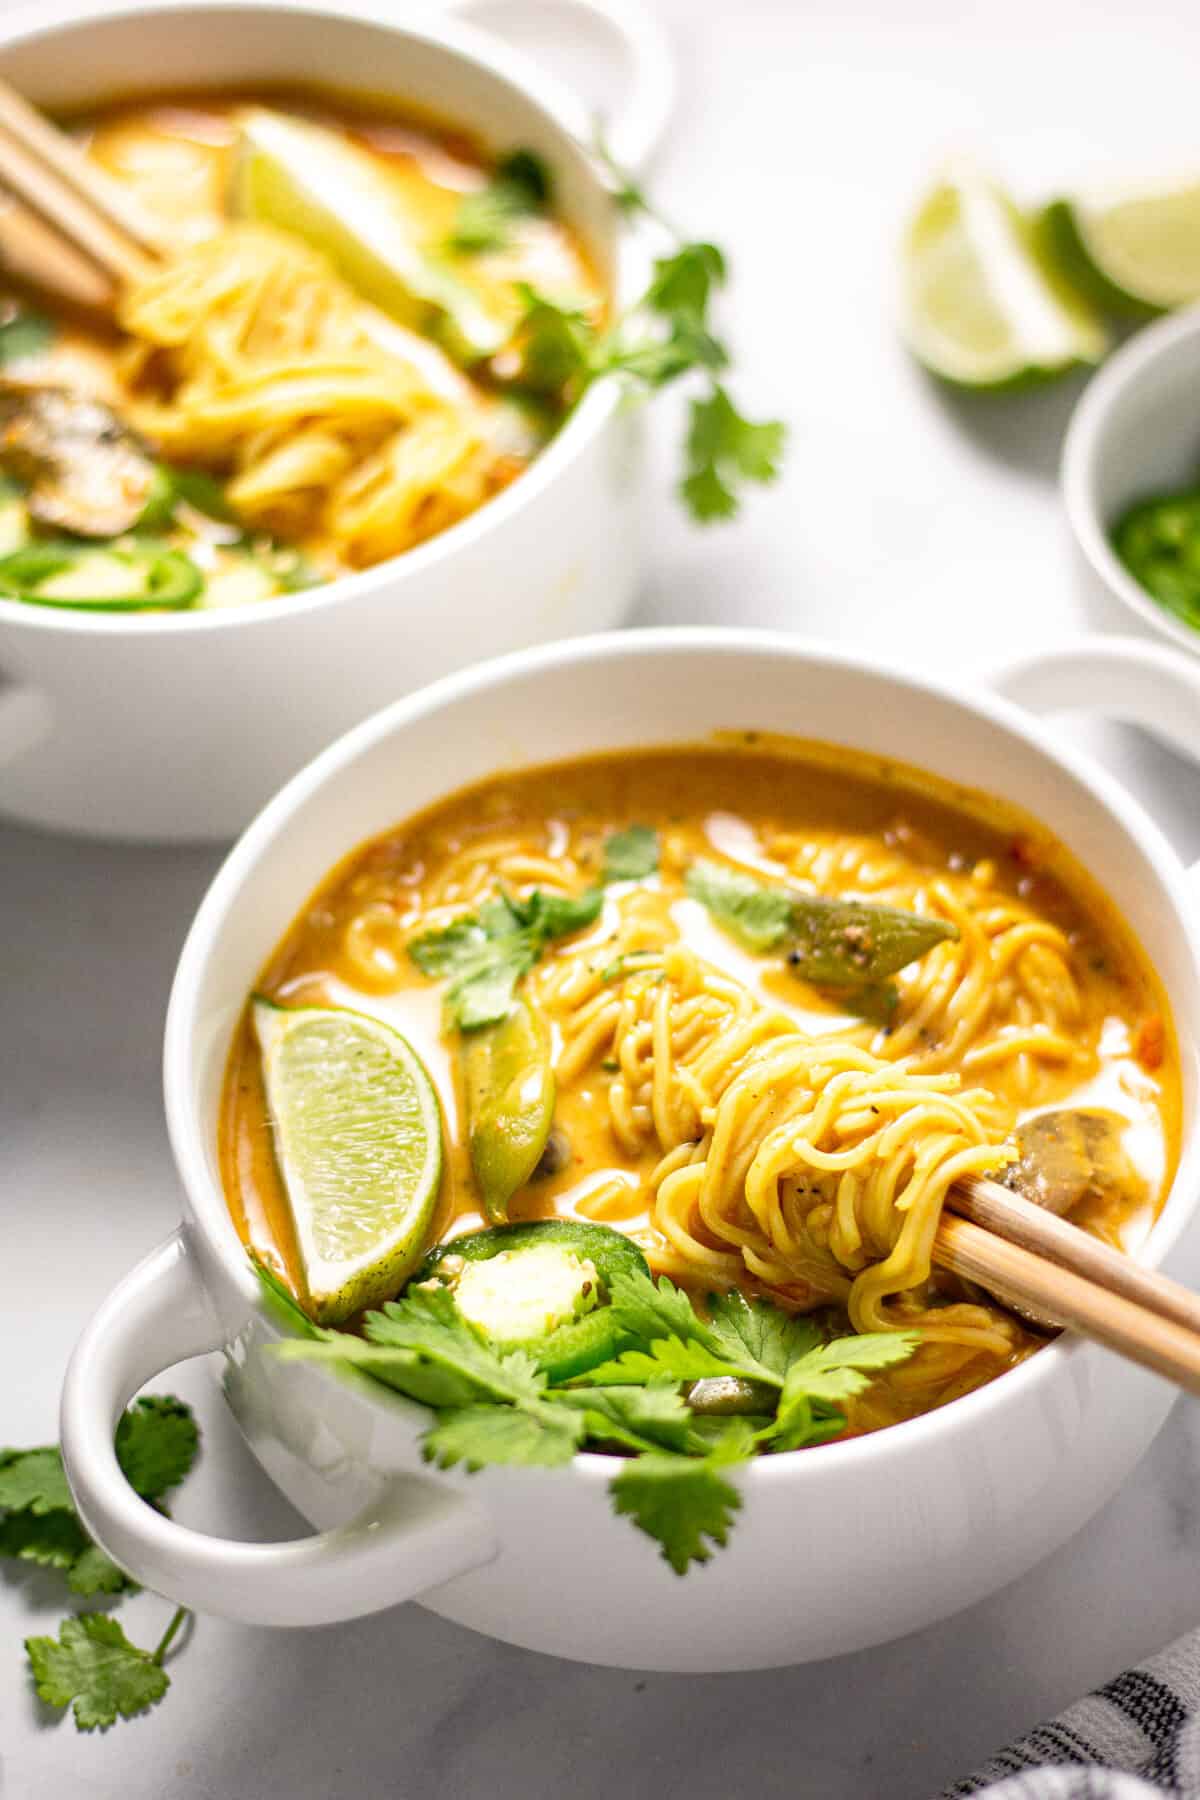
(1135, 432)
(181, 726)
(834, 1548)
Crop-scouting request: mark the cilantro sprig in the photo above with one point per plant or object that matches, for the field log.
(495, 1407)
(667, 334)
(483, 955)
(91, 1665)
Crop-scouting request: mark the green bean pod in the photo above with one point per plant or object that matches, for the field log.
(508, 1081)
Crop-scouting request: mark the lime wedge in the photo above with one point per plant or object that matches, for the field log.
(358, 1137)
(306, 180)
(1133, 253)
(981, 308)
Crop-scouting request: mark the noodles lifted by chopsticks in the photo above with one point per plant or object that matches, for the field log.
(250, 354)
(806, 1162)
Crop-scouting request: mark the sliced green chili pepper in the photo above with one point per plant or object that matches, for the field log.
(509, 1085)
(583, 1343)
(610, 1252)
(135, 575)
(1158, 540)
(832, 943)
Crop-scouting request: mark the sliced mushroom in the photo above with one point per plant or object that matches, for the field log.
(86, 472)
(1067, 1155)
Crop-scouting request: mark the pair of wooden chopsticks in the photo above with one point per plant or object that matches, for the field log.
(65, 225)
(1027, 1256)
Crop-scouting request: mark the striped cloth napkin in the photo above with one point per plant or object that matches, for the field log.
(1136, 1738)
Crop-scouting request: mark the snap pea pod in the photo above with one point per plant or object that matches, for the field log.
(833, 943)
(851, 943)
(508, 1081)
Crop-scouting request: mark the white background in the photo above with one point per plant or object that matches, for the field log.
(924, 527)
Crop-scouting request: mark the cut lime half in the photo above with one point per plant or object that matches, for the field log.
(981, 307)
(306, 180)
(358, 1138)
(1134, 253)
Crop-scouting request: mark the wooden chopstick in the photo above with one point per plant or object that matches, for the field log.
(42, 192)
(1019, 1276)
(36, 256)
(1011, 1216)
(52, 147)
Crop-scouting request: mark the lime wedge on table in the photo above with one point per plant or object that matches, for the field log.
(358, 1138)
(981, 308)
(1134, 252)
(306, 180)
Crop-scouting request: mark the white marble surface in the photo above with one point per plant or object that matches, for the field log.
(906, 521)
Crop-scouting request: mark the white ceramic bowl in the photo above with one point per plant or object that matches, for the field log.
(180, 727)
(1135, 432)
(834, 1548)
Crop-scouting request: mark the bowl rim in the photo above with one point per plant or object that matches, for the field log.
(1129, 366)
(206, 1208)
(540, 91)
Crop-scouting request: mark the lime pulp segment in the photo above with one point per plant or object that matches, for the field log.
(358, 1139)
(981, 307)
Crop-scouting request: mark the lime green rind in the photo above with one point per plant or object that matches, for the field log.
(1062, 247)
(960, 321)
(1139, 248)
(286, 173)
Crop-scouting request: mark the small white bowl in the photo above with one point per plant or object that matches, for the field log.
(177, 727)
(1135, 432)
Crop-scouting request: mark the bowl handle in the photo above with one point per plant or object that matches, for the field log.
(1123, 678)
(636, 126)
(159, 1315)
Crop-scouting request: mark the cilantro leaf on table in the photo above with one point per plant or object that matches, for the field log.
(157, 1442)
(485, 954)
(632, 854)
(684, 1502)
(55, 1539)
(34, 1480)
(95, 1572)
(92, 1664)
(519, 186)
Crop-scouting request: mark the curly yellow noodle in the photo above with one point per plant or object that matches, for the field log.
(808, 1162)
(252, 356)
